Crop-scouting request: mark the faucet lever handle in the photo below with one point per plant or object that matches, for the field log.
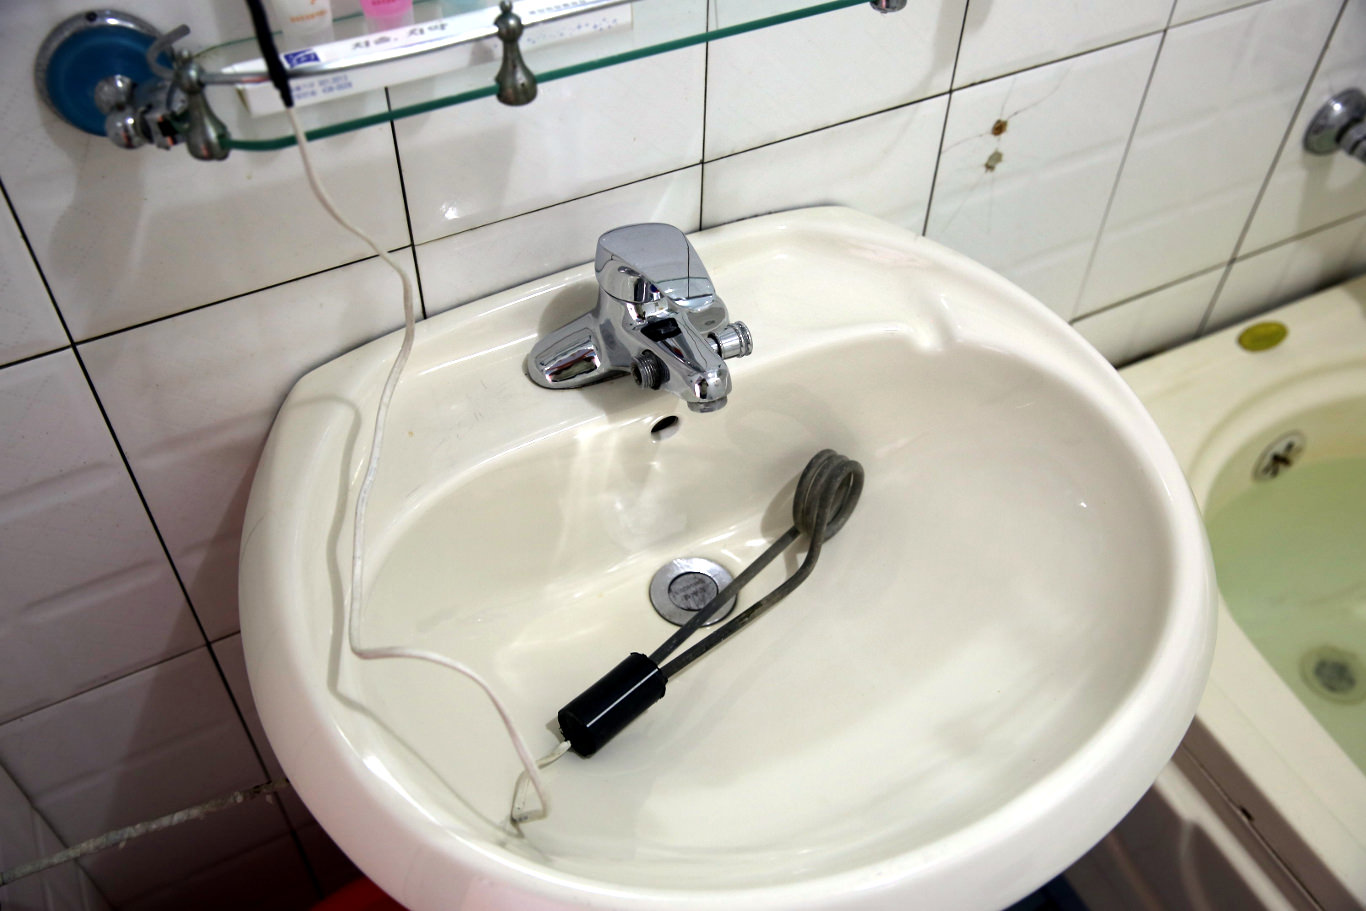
(655, 263)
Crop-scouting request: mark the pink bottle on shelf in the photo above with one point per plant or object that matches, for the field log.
(386, 14)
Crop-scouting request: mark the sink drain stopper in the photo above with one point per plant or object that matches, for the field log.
(684, 586)
(1334, 674)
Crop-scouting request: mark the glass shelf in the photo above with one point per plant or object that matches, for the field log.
(656, 27)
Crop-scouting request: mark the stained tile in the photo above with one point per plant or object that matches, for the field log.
(25, 837)
(1220, 101)
(89, 594)
(467, 266)
(126, 236)
(28, 323)
(1001, 38)
(1307, 191)
(156, 741)
(192, 398)
(483, 161)
(789, 79)
(1153, 322)
(882, 165)
(1028, 163)
(1289, 271)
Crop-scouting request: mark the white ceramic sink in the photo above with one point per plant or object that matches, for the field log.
(991, 663)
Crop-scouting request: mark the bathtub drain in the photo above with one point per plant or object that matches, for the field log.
(1279, 456)
(1334, 674)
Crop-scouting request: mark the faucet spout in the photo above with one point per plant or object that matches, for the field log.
(658, 318)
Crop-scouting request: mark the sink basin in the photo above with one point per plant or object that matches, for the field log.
(992, 662)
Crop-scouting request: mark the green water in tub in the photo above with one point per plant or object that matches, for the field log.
(1290, 555)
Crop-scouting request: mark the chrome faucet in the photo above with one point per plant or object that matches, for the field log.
(658, 318)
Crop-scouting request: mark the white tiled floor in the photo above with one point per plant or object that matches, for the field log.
(88, 592)
(467, 266)
(28, 323)
(1152, 322)
(764, 86)
(882, 165)
(480, 162)
(193, 397)
(1306, 190)
(1028, 202)
(1000, 38)
(1289, 271)
(1220, 101)
(1186, 10)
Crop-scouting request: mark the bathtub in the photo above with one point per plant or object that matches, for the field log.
(1280, 735)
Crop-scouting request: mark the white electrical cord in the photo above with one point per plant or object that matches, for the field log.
(353, 612)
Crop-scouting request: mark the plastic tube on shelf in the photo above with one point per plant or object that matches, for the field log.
(303, 22)
(261, 99)
(383, 15)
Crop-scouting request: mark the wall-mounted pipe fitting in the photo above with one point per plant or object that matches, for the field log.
(113, 74)
(1339, 124)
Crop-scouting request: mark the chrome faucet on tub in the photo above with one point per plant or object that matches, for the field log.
(658, 318)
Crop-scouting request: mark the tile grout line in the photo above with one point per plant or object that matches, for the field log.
(944, 127)
(115, 679)
(33, 357)
(51, 298)
(1119, 176)
(1303, 235)
(547, 207)
(1270, 171)
(701, 164)
(1155, 289)
(407, 211)
(232, 297)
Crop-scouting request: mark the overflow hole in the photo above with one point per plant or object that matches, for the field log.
(664, 428)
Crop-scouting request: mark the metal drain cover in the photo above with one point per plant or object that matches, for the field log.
(1334, 674)
(684, 586)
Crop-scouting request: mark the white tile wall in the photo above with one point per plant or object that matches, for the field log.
(28, 323)
(1221, 99)
(192, 398)
(1307, 191)
(581, 135)
(1153, 322)
(88, 592)
(845, 107)
(467, 266)
(1028, 202)
(803, 75)
(882, 164)
(124, 238)
(1289, 271)
(1000, 38)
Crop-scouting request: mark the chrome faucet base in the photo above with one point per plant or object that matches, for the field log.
(658, 319)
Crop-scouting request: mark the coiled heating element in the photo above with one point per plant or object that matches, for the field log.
(827, 492)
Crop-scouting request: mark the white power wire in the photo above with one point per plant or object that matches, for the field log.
(353, 612)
